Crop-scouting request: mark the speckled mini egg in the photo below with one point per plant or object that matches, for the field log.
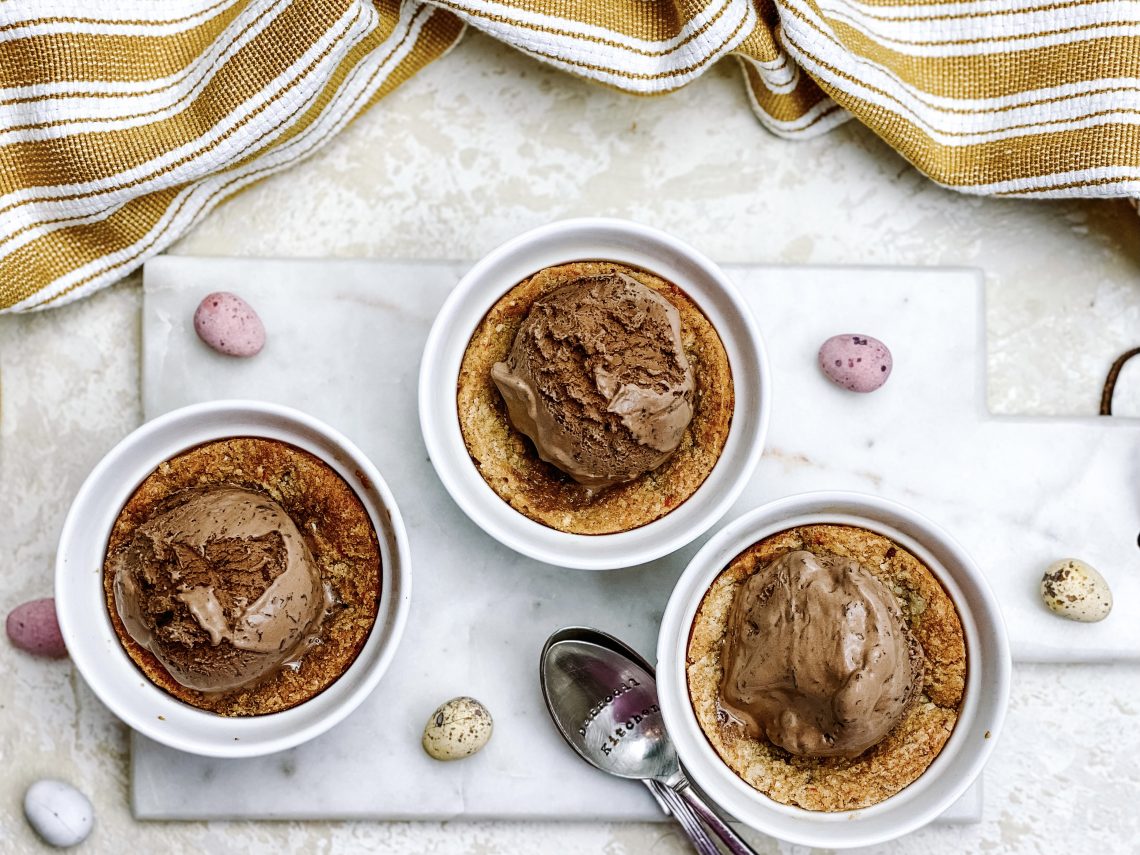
(58, 812)
(1075, 590)
(856, 362)
(33, 627)
(457, 729)
(229, 325)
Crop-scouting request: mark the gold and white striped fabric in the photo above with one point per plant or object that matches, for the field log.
(122, 122)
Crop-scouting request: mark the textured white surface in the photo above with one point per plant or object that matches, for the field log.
(477, 148)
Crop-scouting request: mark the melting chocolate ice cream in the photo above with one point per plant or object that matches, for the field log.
(222, 588)
(598, 379)
(817, 657)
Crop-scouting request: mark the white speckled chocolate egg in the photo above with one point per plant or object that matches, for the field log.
(856, 362)
(229, 325)
(1075, 590)
(457, 729)
(58, 812)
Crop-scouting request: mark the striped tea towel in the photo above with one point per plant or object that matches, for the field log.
(122, 122)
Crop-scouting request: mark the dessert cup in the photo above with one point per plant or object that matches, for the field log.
(301, 586)
(86, 625)
(635, 246)
(980, 715)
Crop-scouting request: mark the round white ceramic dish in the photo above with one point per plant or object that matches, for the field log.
(86, 627)
(594, 239)
(980, 718)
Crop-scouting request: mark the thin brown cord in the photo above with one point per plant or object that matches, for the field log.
(1110, 380)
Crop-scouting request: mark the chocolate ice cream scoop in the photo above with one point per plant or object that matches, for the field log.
(817, 657)
(598, 379)
(221, 588)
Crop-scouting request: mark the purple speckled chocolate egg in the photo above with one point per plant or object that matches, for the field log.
(33, 627)
(229, 325)
(856, 362)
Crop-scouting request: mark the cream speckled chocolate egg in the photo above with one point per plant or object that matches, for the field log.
(1075, 590)
(457, 729)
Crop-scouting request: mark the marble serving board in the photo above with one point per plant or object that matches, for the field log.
(344, 344)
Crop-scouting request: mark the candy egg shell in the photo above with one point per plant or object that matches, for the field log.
(58, 812)
(229, 325)
(33, 627)
(1075, 590)
(859, 363)
(457, 729)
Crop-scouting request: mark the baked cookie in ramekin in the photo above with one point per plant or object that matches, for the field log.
(535, 511)
(940, 744)
(507, 460)
(296, 453)
(836, 783)
(338, 539)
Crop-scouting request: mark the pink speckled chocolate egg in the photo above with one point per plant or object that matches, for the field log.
(34, 628)
(856, 362)
(229, 325)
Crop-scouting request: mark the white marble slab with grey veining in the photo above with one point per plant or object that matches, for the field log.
(344, 344)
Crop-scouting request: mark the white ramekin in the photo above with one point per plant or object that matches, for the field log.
(594, 239)
(86, 626)
(979, 721)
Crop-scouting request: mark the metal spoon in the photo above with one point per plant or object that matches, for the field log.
(670, 803)
(603, 698)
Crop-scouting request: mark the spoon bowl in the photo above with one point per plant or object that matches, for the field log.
(603, 698)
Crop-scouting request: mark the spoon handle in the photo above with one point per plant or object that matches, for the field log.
(686, 817)
(733, 841)
(658, 791)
